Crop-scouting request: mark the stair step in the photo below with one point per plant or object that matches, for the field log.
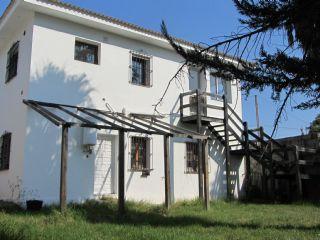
(305, 176)
(306, 162)
(307, 150)
(235, 145)
(218, 126)
(219, 131)
(237, 152)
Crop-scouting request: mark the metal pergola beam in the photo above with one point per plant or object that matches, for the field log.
(194, 135)
(162, 132)
(171, 128)
(136, 123)
(56, 105)
(114, 121)
(89, 123)
(110, 115)
(45, 115)
(115, 126)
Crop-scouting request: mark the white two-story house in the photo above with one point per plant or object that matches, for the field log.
(54, 52)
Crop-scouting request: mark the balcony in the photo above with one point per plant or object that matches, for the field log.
(201, 106)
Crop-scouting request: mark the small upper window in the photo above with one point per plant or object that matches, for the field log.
(5, 145)
(141, 73)
(140, 153)
(12, 62)
(217, 86)
(192, 157)
(86, 52)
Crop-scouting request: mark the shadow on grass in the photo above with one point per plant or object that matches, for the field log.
(147, 215)
(156, 216)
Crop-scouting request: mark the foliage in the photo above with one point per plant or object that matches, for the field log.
(315, 125)
(294, 72)
(185, 220)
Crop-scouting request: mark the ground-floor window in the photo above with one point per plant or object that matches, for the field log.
(192, 158)
(5, 148)
(140, 153)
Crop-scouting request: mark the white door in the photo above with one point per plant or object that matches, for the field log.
(104, 165)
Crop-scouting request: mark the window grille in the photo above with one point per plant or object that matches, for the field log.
(5, 146)
(140, 70)
(192, 158)
(12, 62)
(86, 52)
(140, 154)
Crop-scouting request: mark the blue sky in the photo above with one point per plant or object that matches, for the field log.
(197, 21)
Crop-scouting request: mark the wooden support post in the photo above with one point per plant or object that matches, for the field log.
(272, 172)
(247, 156)
(227, 147)
(167, 171)
(298, 174)
(63, 169)
(206, 175)
(200, 169)
(199, 125)
(264, 177)
(121, 180)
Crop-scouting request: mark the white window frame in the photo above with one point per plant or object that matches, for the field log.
(147, 57)
(87, 41)
(186, 171)
(216, 95)
(149, 157)
(199, 159)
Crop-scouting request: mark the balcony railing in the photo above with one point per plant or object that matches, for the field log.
(198, 103)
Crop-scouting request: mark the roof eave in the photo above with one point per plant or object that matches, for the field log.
(8, 12)
(95, 20)
(98, 21)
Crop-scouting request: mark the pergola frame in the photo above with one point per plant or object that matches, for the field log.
(138, 123)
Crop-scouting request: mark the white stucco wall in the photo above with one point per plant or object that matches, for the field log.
(13, 112)
(57, 77)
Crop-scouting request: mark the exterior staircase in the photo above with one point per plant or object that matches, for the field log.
(279, 163)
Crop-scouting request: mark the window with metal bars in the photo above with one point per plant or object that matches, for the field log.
(86, 52)
(12, 62)
(192, 158)
(140, 70)
(140, 153)
(5, 146)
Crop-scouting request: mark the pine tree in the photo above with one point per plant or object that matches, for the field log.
(315, 125)
(293, 69)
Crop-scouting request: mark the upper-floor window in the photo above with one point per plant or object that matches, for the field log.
(217, 86)
(5, 146)
(140, 70)
(86, 52)
(12, 62)
(192, 158)
(140, 153)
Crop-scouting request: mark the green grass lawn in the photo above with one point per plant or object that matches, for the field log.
(186, 220)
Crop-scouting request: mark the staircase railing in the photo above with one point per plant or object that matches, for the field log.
(256, 144)
(197, 102)
(251, 140)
